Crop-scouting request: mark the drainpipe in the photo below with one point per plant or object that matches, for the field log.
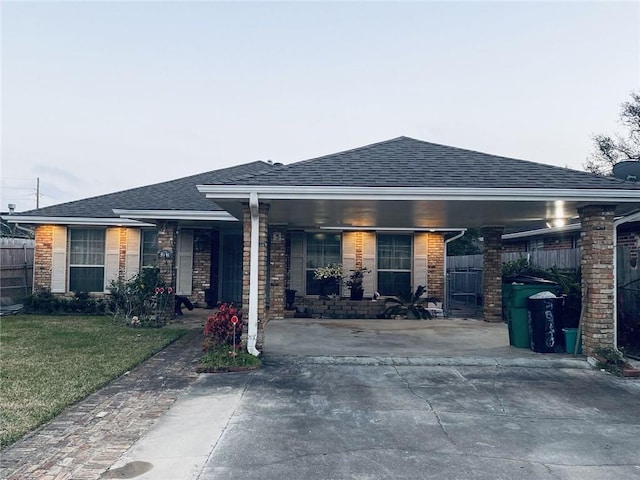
(253, 275)
(446, 283)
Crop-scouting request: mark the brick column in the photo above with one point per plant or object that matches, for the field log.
(492, 262)
(167, 238)
(201, 265)
(277, 267)
(262, 266)
(43, 258)
(597, 235)
(122, 253)
(359, 249)
(435, 265)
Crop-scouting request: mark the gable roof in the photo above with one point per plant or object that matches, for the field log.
(176, 195)
(407, 162)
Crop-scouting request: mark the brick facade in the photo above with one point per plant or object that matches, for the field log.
(597, 234)
(492, 259)
(167, 240)
(558, 242)
(277, 271)
(201, 265)
(342, 308)
(630, 240)
(43, 258)
(122, 252)
(359, 249)
(435, 265)
(519, 246)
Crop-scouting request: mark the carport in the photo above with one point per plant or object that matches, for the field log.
(407, 185)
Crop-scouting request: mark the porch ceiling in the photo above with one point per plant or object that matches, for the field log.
(406, 214)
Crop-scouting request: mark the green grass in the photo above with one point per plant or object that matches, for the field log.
(48, 363)
(220, 356)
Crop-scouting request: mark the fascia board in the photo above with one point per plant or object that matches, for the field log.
(628, 219)
(269, 192)
(43, 220)
(542, 231)
(221, 215)
(393, 229)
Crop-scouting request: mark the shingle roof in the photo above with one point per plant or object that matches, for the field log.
(407, 162)
(179, 194)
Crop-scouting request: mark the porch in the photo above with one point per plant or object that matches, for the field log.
(449, 341)
(461, 339)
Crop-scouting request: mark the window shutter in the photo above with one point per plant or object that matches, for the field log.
(369, 261)
(111, 256)
(420, 249)
(296, 270)
(184, 279)
(59, 260)
(132, 255)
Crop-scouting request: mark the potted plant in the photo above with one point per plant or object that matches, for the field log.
(355, 282)
(329, 278)
(409, 304)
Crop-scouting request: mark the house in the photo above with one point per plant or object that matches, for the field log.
(247, 233)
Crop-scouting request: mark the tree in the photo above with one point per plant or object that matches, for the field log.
(468, 244)
(609, 151)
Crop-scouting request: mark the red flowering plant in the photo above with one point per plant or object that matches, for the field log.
(220, 329)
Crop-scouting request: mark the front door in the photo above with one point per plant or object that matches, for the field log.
(231, 268)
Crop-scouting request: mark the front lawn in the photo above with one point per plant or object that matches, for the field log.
(47, 363)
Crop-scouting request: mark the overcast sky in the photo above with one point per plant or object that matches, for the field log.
(102, 96)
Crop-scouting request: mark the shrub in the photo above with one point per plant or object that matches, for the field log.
(411, 304)
(82, 303)
(610, 359)
(220, 330)
(143, 300)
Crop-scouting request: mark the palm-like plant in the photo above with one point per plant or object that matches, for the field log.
(410, 304)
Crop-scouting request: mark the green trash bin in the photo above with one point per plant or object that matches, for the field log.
(517, 311)
(570, 338)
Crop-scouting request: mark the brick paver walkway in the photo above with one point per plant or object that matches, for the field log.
(82, 442)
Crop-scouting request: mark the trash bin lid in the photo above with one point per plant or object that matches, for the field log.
(529, 279)
(542, 295)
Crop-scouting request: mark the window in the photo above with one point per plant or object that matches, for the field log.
(149, 255)
(537, 244)
(86, 260)
(394, 264)
(322, 249)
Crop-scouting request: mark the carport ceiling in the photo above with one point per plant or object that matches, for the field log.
(404, 214)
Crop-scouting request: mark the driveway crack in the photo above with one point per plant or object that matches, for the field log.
(428, 404)
(495, 390)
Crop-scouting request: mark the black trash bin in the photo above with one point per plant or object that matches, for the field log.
(210, 297)
(289, 299)
(545, 324)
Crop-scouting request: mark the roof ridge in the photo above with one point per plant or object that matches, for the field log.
(350, 150)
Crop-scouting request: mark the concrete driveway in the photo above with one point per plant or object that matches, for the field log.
(337, 421)
(363, 422)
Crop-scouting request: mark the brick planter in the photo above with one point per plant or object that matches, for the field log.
(340, 308)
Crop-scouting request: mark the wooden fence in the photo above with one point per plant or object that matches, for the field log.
(16, 269)
(562, 258)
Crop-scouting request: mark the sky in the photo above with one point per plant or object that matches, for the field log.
(98, 97)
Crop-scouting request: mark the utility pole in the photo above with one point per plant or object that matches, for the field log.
(37, 192)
